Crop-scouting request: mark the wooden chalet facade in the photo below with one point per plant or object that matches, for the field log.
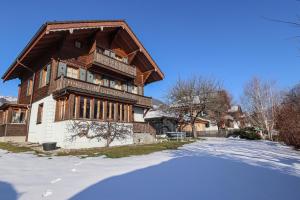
(93, 70)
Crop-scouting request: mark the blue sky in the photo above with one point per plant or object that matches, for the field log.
(228, 40)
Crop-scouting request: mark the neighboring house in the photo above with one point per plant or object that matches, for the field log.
(91, 70)
(162, 122)
(235, 118)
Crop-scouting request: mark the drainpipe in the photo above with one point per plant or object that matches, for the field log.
(31, 96)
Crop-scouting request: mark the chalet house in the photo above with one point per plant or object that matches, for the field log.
(75, 70)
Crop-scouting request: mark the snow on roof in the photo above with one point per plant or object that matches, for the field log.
(151, 114)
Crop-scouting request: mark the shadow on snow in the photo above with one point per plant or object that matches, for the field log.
(197, 177)
(7, 191)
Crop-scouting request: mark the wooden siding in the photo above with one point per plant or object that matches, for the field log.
(143, 127)
(13, 130)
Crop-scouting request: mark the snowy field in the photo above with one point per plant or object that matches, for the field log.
(216, 168)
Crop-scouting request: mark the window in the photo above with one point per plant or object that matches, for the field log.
(107, 110)
(18, 116)
(61, 109)
(112, 111)
(97, 79)
(72, 72)
(124, 87)
(105, 82)
(112, 83)
(40, 113)
(118, 85)
(81, 107)
(78, 44)
(88, 108)
(44, 76)
(29, 87)
(207, 125)
(85, 107)
(96, 111)
(135, 90)
(130, 88)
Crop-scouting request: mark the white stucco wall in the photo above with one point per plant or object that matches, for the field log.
(138, 115)
(50, 131)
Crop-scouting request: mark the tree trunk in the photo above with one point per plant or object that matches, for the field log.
(194, 131)
(108, 141)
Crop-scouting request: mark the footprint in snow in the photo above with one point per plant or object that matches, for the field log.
(47, 193)
(55, 180)
(76, 164)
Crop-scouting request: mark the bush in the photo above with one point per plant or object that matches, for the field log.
(248, 133)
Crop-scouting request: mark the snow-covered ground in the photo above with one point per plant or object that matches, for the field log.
(216, 168)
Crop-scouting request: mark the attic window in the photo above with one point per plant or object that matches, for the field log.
(78, 44)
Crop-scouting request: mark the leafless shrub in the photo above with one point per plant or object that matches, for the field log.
(108, 131)
(288, 118)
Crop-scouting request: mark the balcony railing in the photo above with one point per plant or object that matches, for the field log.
(65, 82)
(114, 64)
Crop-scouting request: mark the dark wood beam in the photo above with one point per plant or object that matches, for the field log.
(132, 55)
(146, 75)
(115, 35)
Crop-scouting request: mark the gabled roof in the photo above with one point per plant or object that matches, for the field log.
(49, 34)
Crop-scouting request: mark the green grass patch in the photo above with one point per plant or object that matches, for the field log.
(14, 148)
(125, 151)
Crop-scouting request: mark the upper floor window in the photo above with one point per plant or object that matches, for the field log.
(29, 87)
(44, 78)
(97, 79)
(72, 72)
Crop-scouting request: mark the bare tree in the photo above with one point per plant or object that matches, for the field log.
(222, 103)
(288, 118)
(108, 131)
(260, 102)
(192, 98)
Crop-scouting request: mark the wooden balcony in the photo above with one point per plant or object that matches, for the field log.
(64, 82)
(114, 65)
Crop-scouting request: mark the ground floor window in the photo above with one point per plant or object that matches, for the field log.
(100, 109)
(18, 116)
(40, 113)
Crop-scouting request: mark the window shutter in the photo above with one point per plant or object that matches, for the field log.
(62, 68)
(90, 77)
(82, 74)
(48, 73)
(40, 78)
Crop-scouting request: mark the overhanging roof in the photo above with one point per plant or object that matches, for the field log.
(52, 32)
